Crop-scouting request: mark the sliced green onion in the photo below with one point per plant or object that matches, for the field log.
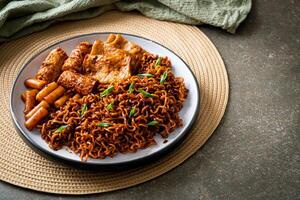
(61, 128)
(145, 75)
(131, 88)
(146, 94)
(110, 106)
(107, 91)
(153, 123)
(163, 77)
(158, 61)
(104, 124)
(83, 109)
(132, 111)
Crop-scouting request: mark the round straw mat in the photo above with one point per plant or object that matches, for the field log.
(21, 166)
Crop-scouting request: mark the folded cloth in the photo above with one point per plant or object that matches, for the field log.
(18, 18)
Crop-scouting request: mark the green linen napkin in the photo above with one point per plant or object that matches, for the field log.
(18, 18)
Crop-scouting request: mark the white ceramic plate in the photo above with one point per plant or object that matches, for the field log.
(180, 68)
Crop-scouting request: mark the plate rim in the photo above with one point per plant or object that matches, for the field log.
(36, 147)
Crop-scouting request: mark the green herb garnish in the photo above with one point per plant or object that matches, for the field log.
(83, 109)
(146, 94)
(153, 123)
(104, 124)
(163, 77)
(61, 128)
(131, 87)
(132, 111)
(145, 75)
(107, 91)
(110, 106)
(158, 61)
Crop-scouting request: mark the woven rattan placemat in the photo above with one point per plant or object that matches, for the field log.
(21, 166)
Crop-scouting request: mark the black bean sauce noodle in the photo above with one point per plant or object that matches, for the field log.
(124, 120)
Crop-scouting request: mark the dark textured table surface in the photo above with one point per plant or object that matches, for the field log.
(255, 152)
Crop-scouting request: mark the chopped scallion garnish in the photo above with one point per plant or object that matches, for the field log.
(163, 77)
(110, 106)
(132, 111)
(146, 94)
(107, 91)
(145, 75)
(61, 128)
(152, 123)
(131, 87)
(158, 61)
(83, 109)
(104, 124)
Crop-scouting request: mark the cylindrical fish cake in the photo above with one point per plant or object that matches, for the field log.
(43, 104)
(55, 94)
(35, 84)
(46, 90)
(29, 99)
(36, 118)
(60, 102)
